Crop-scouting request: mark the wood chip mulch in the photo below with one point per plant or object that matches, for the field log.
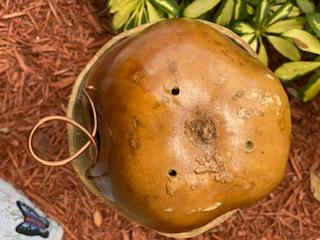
(44, 44)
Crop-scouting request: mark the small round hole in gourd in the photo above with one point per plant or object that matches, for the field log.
(175, 91)
(172, 173)
(249, 146)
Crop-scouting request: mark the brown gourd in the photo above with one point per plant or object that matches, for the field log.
(191, 126)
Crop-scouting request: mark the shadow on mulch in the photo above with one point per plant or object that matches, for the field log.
(44, 45)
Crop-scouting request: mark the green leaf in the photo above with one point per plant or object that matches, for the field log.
(131, 23)
(274, 8)
(262, 54)
(285, 47)
(168, 6)
(314, 22)
(142, 17)
(306, 6)
(279, 1)
(292, 70)
(115, 5)
(311, 89)
(261, 13)
(304, 40)
(243, 28)
(153, 14)
(295, 12)
(250, 9)
(281, 13)
(240, 10)
(225, 12)
(121, 17)
(248, 37)
(199, 7)
(286, 25)
(254, 44)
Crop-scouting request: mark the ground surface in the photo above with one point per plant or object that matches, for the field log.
(44, 44)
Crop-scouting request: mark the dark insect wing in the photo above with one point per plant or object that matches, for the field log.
(29, 212)
(30, 229)
(26, 227)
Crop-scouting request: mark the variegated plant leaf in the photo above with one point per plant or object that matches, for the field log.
(304, 40)
(285, 47)
(153, 14)
(250, 9)
(292, 70)
(240, 10)
(310, 90)
(225, 12)
(262, 53)
(167, 6)
(281, 13)
(314, 22)
(243, 28)
(248, 37)
(286, 25)
(254, 44)
(261, 13)
(307, 6)
(121, 17)
(199, 7)
(295, 12)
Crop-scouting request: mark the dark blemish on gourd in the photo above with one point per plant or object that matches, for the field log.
(205, 35)
(175, 91)
(172, 173)
(216, 42)
(173, 67)
(249, 146)
(200, 130)
(156, 105)
(225, 52)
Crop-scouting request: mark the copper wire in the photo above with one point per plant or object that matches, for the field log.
(91, 141)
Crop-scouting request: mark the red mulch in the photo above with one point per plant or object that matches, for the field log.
(44, 44)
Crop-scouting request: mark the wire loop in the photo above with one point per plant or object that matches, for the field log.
(91, 141)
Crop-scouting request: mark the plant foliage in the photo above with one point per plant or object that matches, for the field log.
(291, 27)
